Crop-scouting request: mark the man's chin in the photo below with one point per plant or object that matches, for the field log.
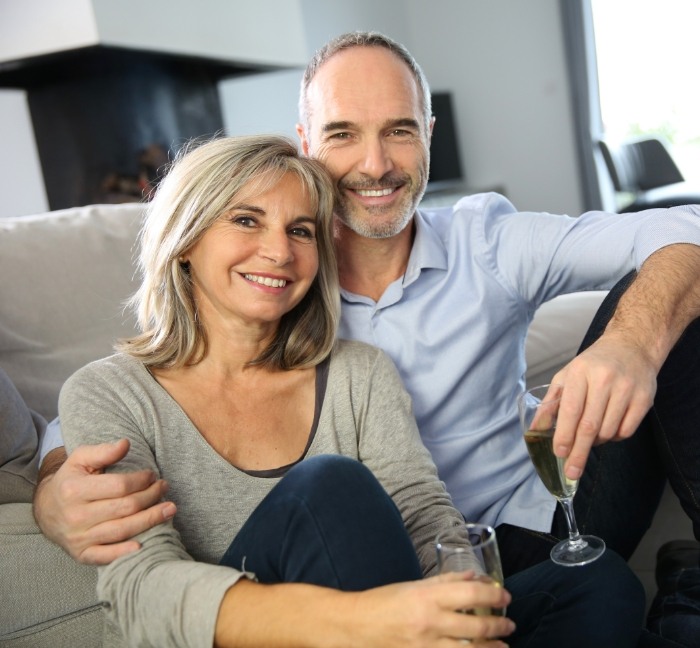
(375, 228)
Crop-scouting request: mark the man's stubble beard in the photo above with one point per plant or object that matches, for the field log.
(368, 221)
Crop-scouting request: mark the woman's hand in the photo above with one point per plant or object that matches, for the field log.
(427, 613)
(417, 614)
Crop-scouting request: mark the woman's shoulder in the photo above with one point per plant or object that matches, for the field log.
(352, 356)
(113, 369)
(348, 350)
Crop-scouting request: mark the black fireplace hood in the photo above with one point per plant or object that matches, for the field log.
(103, 117)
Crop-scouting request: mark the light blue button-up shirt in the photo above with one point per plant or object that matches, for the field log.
(455, 325)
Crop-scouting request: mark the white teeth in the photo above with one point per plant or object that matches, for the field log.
(266, 281)
(373, 193)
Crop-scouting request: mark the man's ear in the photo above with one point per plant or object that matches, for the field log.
(430, 128)
(303, 139)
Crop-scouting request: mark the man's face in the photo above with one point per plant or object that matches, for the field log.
(366, 126)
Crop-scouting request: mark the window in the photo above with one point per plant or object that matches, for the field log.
(647, 73)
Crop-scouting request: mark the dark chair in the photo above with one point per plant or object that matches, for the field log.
(645, 170)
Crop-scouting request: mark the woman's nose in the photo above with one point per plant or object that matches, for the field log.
(276, 247)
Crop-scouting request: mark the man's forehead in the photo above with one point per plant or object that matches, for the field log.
(361, 81)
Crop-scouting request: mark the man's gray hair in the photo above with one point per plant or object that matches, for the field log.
(362, 39)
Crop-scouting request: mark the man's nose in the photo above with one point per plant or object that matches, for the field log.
(376, 159)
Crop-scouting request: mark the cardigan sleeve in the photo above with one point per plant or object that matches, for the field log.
(158, 595)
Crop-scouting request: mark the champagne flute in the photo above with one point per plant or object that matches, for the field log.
(538, 409)
(471, 547)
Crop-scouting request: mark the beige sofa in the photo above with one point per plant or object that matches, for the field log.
(63, 278)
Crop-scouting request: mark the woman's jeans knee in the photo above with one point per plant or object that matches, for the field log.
(327, 522)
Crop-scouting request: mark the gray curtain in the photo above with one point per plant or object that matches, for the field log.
(579, 42)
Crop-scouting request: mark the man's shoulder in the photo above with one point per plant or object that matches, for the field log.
(467, 210)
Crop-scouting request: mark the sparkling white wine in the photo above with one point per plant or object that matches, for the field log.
(486, 611)
(549, 467)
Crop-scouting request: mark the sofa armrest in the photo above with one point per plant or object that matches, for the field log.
(556, 333)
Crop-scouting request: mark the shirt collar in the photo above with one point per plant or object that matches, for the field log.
(428, 250)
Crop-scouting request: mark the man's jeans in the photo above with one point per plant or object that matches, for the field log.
(329, 522)
(623, 481)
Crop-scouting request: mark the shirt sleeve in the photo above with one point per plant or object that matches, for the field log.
(390, 446)
(543, 255)
(158, 595)
(51, 440)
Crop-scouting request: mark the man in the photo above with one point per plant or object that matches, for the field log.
(449, 294)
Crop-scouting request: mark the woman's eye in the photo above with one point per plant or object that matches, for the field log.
(244, 221)
(302, 232)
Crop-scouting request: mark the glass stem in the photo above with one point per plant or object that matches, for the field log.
(567, 503)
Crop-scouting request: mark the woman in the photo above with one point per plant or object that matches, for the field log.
(235, 378)
(307, 505)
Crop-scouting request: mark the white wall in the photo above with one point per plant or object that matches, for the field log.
(505, 62)
(34, 27)
(266, 32)
(21, 180)
(261, 103)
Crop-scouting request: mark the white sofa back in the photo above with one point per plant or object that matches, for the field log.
(64, 276)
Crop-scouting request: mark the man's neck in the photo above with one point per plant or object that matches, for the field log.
(367, 266)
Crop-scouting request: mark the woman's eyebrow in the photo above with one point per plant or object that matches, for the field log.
(247, 207)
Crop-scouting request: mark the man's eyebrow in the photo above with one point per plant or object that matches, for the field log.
(407, 122)
(336, 125)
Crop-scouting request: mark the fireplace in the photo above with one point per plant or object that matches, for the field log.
(105, 117)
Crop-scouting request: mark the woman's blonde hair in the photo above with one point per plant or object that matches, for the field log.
(200, 186)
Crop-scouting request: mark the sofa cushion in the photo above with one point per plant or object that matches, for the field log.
(47, 600)
(65, 275)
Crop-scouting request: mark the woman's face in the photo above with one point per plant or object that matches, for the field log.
(258, 259)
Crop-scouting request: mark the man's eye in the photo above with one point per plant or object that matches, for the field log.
(401, 132)
(340, 136)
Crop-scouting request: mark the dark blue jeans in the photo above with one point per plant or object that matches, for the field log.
(329, 522)
(623, 482)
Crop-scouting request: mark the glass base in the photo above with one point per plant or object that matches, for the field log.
(572, 553)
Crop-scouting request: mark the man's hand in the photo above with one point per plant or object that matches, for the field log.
(93, 515)
(608, 389)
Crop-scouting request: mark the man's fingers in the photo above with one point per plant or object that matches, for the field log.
(117, 531)
(126, 497)
(95, 458)
(111, 486)
(105, 554)
(571, 408)
(581, 414)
